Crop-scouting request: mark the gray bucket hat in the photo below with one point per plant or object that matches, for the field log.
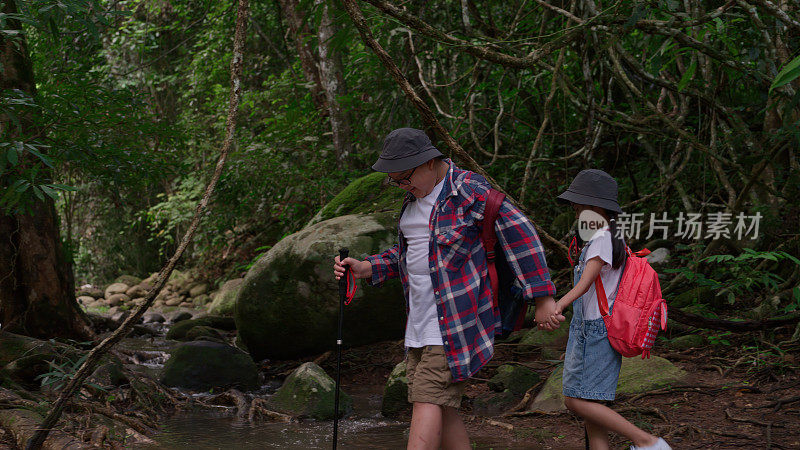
(404, 149)
(593, 187)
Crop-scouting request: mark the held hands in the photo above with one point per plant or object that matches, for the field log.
(360, 269)
(548, 314)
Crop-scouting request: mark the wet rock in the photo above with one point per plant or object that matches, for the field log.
(90, 291)
(120, 316)
(85, 300)
(201, 300)
(153, 317)
(136, 291)
(117, 299)
(513, 377)
(178, 331)
(203, 365)
(178, 316)
(309, 392)
(198, 289)
(202, 332)
(636, 376)
(287, 305)
(225, 300)
(395, 393)
(687, 342)
(116, 288)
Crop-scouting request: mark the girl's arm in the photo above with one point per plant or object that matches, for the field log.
(588, 276)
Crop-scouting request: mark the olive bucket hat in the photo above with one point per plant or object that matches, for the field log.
(404, 149)
(593, 187)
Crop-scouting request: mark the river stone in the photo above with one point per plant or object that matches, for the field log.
(688, 341)
(116, 299)
(130, 280)
(116, 288)
(636, 376)
(203, 365)
(201, 300)
(90, 291)
(178, 331)
(288, 303)
(225, 299)
(174, 301)
(551, 342)
(153, 317)
(309, 392)
(203, 332)
(85, 300)
(513, 377)
(198, 289)
(395, 393)
(136, 291)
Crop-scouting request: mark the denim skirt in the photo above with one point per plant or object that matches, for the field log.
(591, 365)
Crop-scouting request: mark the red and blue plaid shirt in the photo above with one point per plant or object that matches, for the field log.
(457, 262)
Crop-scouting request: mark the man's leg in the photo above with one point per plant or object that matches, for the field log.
(426, 427)
(454, 434)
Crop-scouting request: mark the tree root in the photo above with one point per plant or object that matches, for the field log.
(139, 425)
(732, 418)
(258, 407)
(643, 410)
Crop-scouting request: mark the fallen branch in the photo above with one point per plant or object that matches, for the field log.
(96, 354)
(731, 325)
(732, 418)
(259, 407)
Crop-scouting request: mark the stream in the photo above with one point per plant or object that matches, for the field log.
(202, 428)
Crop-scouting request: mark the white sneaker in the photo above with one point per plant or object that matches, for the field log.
(660, 444)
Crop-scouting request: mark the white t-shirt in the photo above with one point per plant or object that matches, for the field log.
(600, 245)
(422, 327)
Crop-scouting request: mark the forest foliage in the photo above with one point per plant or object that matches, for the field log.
(692, 106)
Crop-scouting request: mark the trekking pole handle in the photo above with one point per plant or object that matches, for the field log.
(344, 253)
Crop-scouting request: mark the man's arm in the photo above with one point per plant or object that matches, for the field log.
(384, 265)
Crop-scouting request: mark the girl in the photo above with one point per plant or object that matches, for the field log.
(591, 365)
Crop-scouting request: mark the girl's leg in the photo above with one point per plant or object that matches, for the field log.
(598, 436)
(606, 418)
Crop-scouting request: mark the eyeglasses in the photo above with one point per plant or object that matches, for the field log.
(405, 181)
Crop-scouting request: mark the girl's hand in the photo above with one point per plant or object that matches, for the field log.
(546, 318)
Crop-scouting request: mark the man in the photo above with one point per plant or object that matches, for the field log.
(441, 261)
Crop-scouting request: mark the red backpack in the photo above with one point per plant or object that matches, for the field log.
(639, 310)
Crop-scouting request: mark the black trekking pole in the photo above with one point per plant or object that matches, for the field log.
(343, 253)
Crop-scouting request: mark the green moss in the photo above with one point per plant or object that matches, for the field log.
(309, 392)
(179, 331)
(203, 365)
(515, 378)
(395, 393)
(365, 195)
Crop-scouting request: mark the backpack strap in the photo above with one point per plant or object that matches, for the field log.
(602, 300)
(489, 238)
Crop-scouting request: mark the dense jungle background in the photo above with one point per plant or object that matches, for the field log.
(114, 112)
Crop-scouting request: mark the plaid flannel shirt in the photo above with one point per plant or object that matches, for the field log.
(457, 261)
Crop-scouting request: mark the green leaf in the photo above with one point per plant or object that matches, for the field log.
(687, 76)
(38, 193)
(12, 156)
(788, 74)
(49, 191)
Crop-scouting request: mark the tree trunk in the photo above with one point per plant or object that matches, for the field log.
(300, 32)
(331, 74)
(36, 281)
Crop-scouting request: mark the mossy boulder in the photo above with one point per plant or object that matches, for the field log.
(309, 392)
(493, 404)
(179, 330)
(202, 332)
(636, 376)
(203, 365)
(288, 303)
(513, 377)
(368, 194)
(688, 341)
(225, 299)
(552, 343)
(395, 393)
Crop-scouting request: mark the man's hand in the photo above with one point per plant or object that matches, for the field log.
(361, 269)
(547, 316)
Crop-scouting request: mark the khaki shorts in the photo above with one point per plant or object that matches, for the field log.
(429, 377)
